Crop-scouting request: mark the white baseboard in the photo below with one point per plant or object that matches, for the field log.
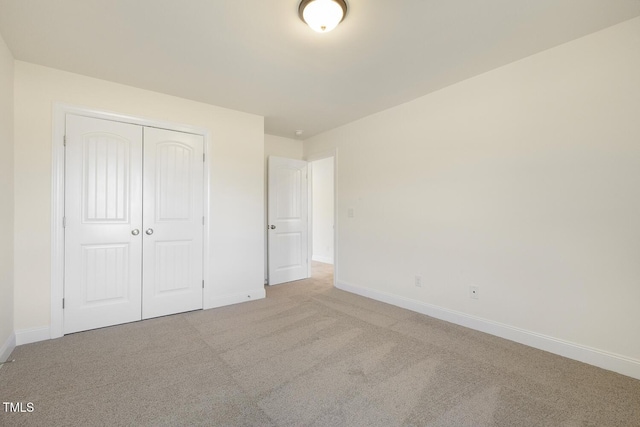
(324, 259)
(603, 359)
(7, 347)
(28, 336)
(221, 301)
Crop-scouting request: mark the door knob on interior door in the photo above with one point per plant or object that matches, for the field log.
(149, 231)
(135, 232)
(273, 227)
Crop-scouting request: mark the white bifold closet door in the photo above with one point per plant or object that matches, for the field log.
(133, 223)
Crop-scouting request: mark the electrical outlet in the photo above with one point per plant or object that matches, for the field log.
(418, 281)
(351, 213)
(474, 292)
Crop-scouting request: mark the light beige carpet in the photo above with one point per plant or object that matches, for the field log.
(308, 355)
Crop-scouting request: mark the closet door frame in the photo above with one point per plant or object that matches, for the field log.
(60, 112)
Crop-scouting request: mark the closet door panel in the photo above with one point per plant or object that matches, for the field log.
(173, 222)
(103, 208)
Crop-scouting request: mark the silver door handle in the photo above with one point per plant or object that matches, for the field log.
(135, 232)
(273, 227)
(149, 231)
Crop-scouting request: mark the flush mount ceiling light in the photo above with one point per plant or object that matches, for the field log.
(322, 15)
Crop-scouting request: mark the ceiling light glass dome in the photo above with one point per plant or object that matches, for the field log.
(322, 15)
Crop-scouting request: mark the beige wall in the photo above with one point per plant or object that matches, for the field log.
(322, 209)
(523, 181)
(236, 160)
(6, 197)
(280, 147)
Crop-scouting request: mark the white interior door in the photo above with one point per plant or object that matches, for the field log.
(287, 220)
(103, 217)
(133, 223)
(173, 222)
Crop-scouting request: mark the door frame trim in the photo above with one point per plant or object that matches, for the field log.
(60, 111)
(333, 153)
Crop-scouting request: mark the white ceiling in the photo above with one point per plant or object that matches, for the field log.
(257, 56)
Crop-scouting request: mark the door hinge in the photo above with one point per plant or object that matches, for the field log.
(64, 140)
(63, 303)
(64, 222)
(202, 283)
(202, 220)
(203, 157)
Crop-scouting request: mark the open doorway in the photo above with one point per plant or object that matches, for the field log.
(322, 218)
